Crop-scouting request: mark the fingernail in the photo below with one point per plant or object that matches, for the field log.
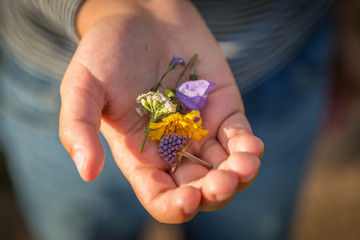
(261, 154)
(222, 198)
(190, 210)
(79, 159)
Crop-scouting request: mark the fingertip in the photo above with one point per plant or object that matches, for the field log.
(79, 160)
(244, 165)
(175, 206)
(85, 148)
(88, 165)
(219, 186)
(246, 143)
(187, 200)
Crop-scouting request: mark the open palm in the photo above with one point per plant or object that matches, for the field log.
(125, 54)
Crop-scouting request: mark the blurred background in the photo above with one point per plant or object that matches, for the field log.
(329, 204)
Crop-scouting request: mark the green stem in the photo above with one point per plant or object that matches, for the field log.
(161, 79)
(197, 160)
(193, 76)
(146, 133)
(192, 59)
(193, 63)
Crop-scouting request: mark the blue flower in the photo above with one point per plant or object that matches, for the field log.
(176, 61)
(194, 94)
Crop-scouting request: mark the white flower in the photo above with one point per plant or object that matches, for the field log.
(141, 96)
(156, 103)
(170, 107)
(141, 111)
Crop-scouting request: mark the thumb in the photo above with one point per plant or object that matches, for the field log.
(80, 118)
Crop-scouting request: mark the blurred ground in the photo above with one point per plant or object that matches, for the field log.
(329, 206)
(12, 226)
(329, 203)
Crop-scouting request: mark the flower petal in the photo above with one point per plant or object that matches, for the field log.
(193, 88)
(176, 61)
(194, 94)
(190, 103)
(186, 125)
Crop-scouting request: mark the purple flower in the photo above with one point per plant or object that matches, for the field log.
(176, 61)
(194, 94)
(170, 145)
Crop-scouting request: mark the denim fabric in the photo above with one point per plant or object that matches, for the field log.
(57, 204)
(285, 112)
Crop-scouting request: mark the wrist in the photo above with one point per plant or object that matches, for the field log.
(93, 11)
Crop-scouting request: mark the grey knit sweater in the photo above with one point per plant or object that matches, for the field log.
(256, 35)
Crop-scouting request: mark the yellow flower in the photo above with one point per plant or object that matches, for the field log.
(185, 125)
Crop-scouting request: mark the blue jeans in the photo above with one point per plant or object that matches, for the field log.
(56, 203)
(285, 112)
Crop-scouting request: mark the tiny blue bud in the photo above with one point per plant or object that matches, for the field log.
(176, 61)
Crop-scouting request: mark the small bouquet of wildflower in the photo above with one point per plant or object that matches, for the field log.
(175, 114)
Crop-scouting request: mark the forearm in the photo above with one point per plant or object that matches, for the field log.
(93, 11)
(174, 12)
